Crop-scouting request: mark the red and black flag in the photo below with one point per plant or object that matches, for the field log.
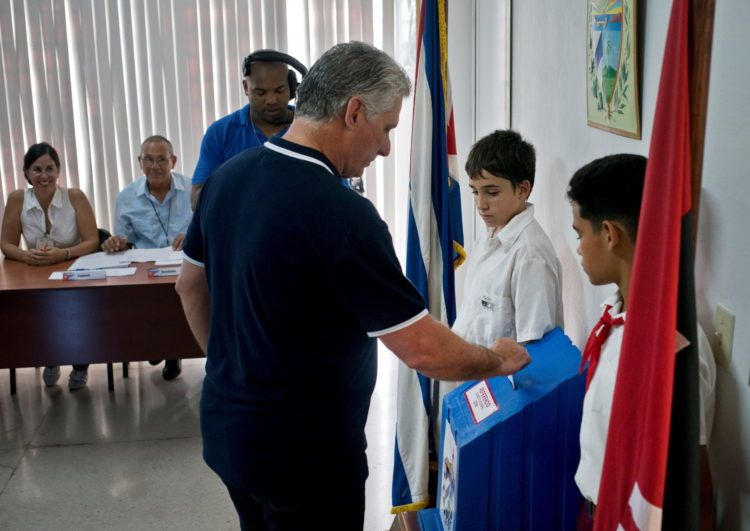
(650, 477)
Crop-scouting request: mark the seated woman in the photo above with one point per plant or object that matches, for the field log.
(57, 224)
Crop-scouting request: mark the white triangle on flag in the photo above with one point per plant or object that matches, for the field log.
(647, 517)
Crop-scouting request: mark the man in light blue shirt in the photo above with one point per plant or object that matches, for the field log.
(154, 210)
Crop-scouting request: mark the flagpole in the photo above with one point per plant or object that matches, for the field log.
(701, 39)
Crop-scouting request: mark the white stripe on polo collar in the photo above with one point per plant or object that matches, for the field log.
(294, 154)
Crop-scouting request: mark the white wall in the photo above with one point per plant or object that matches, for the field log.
(723, 253)
(548, 108)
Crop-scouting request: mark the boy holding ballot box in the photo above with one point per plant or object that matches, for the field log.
(513, 284)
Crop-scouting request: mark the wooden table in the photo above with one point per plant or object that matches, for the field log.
(119, 319)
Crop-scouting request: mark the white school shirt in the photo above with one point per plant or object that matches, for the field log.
(513, 285)
(62, 217)
(597, 403)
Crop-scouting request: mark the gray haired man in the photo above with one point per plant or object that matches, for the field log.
(292, 277)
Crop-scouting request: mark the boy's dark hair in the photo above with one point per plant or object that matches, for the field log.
(503, 154)
(40, 150)
(610, 188)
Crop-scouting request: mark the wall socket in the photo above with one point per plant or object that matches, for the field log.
(723, 336)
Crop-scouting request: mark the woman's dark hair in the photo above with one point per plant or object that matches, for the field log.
(39, 150)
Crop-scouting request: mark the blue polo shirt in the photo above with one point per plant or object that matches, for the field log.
(224, 139)
(303, 277)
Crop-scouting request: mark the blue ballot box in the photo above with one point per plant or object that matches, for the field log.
(508, 456)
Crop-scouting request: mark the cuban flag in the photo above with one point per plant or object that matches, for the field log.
(650, 478)
(434, 249)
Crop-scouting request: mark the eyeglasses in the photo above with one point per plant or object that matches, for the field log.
(36, 171)
(161, 161)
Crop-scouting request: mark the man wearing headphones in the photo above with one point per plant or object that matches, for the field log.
(269, 85)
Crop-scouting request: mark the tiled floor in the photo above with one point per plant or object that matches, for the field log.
(132, 459)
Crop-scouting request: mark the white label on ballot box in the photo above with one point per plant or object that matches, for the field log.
(481, 401)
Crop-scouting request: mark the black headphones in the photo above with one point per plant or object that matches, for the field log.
(272, 56)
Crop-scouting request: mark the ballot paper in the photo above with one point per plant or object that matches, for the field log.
(114, 272)
(100, 260)
(163, 254)
(175, 262)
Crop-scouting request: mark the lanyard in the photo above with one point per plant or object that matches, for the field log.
(158, 218)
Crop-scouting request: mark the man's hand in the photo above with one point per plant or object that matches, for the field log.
(429, 347)
(515, 355)
(114, 244)
(178, 242)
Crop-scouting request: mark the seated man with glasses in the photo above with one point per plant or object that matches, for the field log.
(153, 211)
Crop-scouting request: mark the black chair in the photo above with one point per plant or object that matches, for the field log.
(104, 235)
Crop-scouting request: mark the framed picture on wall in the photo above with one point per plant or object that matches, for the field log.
(611, 67)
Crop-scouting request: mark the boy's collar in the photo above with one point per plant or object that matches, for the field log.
(615, 301)
(508, 235)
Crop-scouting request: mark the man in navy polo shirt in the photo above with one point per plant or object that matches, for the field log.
(288, 279)
(269, 85)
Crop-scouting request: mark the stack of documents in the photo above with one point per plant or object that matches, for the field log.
(162, 256)
(99, 261)
(116, 264)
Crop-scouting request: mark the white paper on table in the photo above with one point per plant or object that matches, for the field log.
(153, 255)
(100, 260)
(175, 262)
(114, 272)
(121, 272)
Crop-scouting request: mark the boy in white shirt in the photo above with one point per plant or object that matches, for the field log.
(606, 199)
(513, 284)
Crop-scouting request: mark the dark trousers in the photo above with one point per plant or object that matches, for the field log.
(78, 367)
(342, 509)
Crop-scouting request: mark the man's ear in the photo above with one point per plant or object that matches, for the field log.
(246, 87)
(353, 112)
